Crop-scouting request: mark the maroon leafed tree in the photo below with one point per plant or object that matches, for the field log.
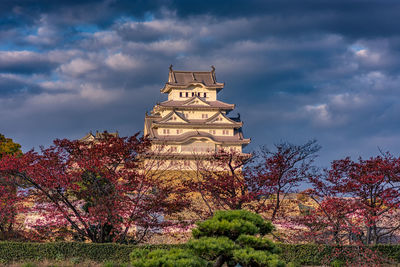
(277, 173)
(360, 198)
(10, 206)
(232, 180)
(328, 222)
(104, 191)
(220, 182)
(10, 198)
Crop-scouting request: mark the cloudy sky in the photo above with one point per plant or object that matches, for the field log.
(296, 70)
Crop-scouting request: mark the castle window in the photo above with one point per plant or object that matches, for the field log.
(178, 131)
(204, 116)
(198, 94)
(205, 94)
(174, 163)
(187, 94)
(225, 132)
(192, 93)
(165, 131)
(212, 131)
(180, 94)
(198, 147)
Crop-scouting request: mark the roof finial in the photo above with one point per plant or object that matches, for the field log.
(213, 74)
(170, 67)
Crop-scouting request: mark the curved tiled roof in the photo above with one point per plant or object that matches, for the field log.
(98, 136)
(211, 104)
(237, 138)
(178, 78)
(204, 122)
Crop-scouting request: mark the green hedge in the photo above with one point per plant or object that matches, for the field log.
(305, 254)
(26, 251)
(311, 254)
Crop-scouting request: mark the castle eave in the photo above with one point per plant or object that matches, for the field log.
(198, 123)
(178, 139)
(183, 105)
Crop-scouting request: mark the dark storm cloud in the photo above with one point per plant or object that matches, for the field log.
(24, 62)
(356, 19)
(12, 86)
(296, 70)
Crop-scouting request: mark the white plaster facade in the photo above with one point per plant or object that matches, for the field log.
(192, 121)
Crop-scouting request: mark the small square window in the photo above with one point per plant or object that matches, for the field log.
(173, 163)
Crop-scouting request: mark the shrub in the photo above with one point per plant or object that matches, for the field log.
(337, 263)
(229, 237)
(29, 251)
(232, 224)
(161, 257)
(235, 237)
(295, 254)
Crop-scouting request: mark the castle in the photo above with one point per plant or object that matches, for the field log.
(192, 122)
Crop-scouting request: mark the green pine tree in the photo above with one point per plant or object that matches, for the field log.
(230, 237)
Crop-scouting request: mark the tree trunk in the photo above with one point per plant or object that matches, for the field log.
(276, 208)
(368, 241)
(375, 235)
(220, 260)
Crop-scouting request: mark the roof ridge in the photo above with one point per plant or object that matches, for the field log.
(192, 71)
(193, 98)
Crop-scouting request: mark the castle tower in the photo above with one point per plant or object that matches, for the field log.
(193, 121)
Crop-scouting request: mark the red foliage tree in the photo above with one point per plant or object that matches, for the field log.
(220, 182)
(10, 206)
(278, 173)
(227, 180)
(102, 190)
(327, 223)
(10, 199)
(361, 198)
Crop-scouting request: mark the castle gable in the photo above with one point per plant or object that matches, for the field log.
(196, 101)
(173, 117)
(220, 118)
